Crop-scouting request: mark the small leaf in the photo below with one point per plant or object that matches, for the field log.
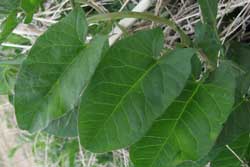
(18, 39)
(8, 26)
(237, 124)
(190, 126)
(129, 90)
(13, 151)
(105, 158)
(209, 10)
(57, 69)
(30, 7)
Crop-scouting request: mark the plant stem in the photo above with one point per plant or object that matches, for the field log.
(141, 15)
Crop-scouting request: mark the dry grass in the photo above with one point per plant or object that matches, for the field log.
(184, 12)
(9, 140)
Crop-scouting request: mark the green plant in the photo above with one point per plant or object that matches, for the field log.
(136, 94)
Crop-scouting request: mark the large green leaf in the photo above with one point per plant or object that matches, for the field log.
(190, 126)
(56, 71)
(129, 90)
(209, 10)
(8, 26)
(238, 122)
(237, 128)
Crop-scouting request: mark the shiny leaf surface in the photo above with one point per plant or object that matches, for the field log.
(57, 69)
(131, 87)
(190, 126)
(8, 26)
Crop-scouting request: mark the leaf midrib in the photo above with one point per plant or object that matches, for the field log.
(176, 122)
(125, 95)
(73, 60)
(62, 74)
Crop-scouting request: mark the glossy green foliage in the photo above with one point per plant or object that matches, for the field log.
(190, 126)
(8, 26)
(30, 7)
(236, 130)
(131, 87)
(10, 9)
(57, 69)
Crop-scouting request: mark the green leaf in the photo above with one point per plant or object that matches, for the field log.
(239, 53)
(207, 40)
(65, 126)
(30, 7)
(237, 128)
(190, 126)
(7, 6)
(8, 26)
(209, 10)
(18, 39)
(235, 133)
(57, 69)
(238, 122)
(129, 90)
(236, 154)
(188, 164)
(72, 150)
(12, 151)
